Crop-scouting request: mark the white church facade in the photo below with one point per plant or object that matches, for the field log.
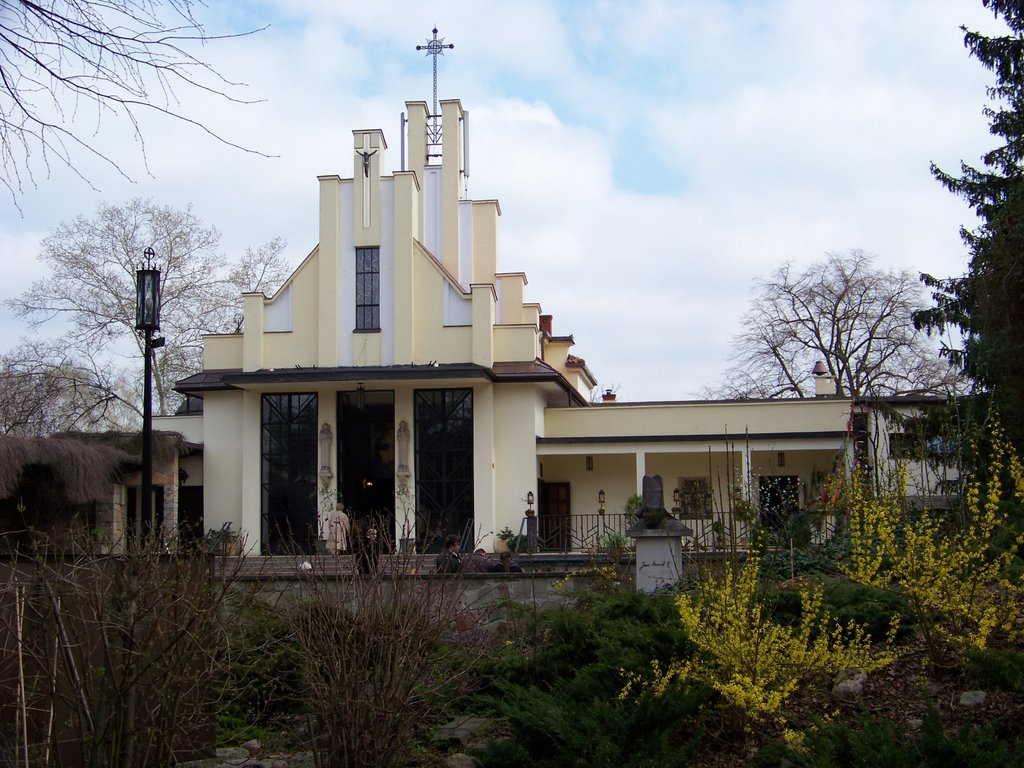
(401, 373)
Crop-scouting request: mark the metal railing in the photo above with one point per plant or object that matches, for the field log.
(575, 533)
(586, 532)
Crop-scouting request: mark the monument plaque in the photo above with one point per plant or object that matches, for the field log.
(659, 546)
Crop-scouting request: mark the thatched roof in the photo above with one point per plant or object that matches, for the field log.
(84, 463)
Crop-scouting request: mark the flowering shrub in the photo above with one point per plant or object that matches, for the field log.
(753, 663)
(596, 578)
(958, 587)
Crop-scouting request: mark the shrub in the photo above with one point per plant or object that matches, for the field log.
(557, 687)
(590, 643)
(112, 657)
(561, 727)
(1001, 668)
(957, 585)
(262, 669)
(753, 663)
(382, 660)
(880, 742)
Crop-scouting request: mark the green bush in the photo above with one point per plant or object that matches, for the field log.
(263, 677)
(557, 687)
(600, 635)
(867, 606)
(880, 742)
(561, 727)
(779, 562)
(1001, 668)
(870, 607)
(233, 730)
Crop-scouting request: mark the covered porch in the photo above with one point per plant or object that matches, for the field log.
(588, 488)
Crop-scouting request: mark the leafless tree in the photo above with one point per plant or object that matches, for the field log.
(91, 291)
(841, 310)
(67, 64)
(48, 389)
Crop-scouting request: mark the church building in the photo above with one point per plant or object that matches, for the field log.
(400, 372)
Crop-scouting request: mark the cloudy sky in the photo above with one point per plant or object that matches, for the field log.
(683, 148)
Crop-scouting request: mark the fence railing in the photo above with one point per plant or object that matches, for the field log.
(563, 533)
(587, 532)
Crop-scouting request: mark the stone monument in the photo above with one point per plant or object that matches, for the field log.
(658, 535)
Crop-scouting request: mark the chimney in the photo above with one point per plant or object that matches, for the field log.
(545, 324)
(607, 396)
(824, 382)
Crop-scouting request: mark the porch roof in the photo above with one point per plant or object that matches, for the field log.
(536, 371)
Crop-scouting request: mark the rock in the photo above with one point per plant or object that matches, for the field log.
(227, 754)
(253, 746)
(461, 729)
(972, 699)
(459, 760)
(850, 684)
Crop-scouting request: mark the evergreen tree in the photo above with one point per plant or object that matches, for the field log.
(985, 304)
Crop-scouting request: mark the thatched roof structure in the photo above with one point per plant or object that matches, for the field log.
(82, 463)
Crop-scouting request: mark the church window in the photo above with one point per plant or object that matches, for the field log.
(367, 289)
(288, 453)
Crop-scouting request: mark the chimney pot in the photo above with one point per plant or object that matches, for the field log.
(546, 324)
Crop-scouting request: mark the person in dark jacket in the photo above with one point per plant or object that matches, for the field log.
(506, 565)
(368, 552)
(478, 562)
(449, 561)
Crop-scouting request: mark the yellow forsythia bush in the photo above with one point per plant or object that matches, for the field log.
(958, 587)
(752, 662)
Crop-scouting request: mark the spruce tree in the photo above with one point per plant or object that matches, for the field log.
(985, 303)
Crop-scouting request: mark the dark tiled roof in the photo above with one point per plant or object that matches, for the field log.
(527, 370)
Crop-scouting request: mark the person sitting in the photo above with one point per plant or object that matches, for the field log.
(478, 562)
(449, 561)
(506, 565)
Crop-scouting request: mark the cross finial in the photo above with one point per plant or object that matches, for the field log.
(435, 48)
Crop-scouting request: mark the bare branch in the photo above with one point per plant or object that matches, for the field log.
(91, 290)
(114, 58)
(841, 310)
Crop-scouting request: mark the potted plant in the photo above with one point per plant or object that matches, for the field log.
(614, 543)
(504, 540)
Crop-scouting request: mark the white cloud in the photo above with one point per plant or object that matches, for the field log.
(650, 158)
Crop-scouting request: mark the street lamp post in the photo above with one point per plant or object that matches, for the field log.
(147, 320)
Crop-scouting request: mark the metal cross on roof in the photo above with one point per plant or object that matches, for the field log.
(435, 48)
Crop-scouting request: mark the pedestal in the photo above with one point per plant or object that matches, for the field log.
(659, 554)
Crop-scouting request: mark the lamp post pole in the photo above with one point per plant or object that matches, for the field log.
(147, 320)
(145, 503)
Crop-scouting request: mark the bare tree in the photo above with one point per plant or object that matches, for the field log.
(67, 64)
(844, 311)
(91, 290)
(48, 388)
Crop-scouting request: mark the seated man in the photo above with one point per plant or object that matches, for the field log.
(506, 565)
(449, 561)
(478, 562)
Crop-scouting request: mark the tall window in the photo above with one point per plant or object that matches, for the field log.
(444, 463)
(367, 289)
(288, 449)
